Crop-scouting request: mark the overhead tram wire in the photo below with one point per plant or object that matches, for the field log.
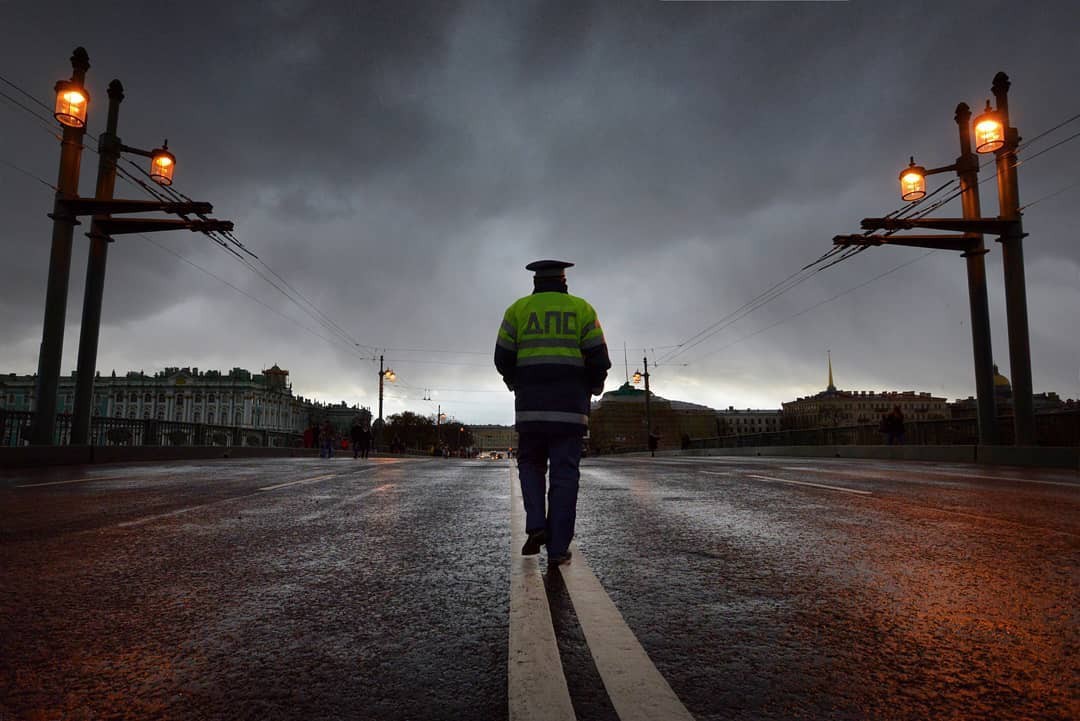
(28, 174)
(769, 295)
(1051, 195)
(200, 268)
(241, 291)
(820, 303)
(780, 289)
(316, 316)
(231, 240)
(226, 240)
(777, 289)
(765, 297)
(912, 210)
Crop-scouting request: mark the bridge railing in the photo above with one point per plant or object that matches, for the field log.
(104, 431)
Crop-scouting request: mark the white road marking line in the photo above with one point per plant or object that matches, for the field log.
(296, 483)
(890, 476)
(80, 480)
(179, 511)
(807, 483)
(718, 473)
(636, 688)
(536, 683)
(1005, 478)
(168, 514)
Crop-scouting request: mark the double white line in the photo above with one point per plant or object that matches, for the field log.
(537, 684)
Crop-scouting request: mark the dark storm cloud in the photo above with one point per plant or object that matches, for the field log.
(400, 161)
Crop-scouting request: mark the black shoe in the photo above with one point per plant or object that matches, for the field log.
(559, 560)
(532, 546)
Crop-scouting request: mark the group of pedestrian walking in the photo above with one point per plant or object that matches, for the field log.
(360, 435)
(326, 438)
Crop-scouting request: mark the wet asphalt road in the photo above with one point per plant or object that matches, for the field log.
(307, 589)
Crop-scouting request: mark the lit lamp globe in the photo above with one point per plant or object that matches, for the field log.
(989, 131)
(913, 182)
(636, 377)
(71, 103)
(162, 165)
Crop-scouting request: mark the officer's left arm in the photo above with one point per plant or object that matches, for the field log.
(506, 349)
(594, 351)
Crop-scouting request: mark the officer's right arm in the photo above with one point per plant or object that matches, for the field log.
(506, 348)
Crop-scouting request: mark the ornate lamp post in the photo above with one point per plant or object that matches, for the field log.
(72, 105)
(638, 377)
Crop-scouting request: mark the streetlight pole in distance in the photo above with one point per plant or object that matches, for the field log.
(385, 374)
(72, 101)
(638, 377)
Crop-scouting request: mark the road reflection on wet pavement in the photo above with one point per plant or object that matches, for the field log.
(759, 588)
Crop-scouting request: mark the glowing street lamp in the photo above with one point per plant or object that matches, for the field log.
(162, 165)
(913, 182)
(636, 378)
(989, 131)
(71, 102)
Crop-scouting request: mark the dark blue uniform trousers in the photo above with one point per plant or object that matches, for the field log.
(563, 451)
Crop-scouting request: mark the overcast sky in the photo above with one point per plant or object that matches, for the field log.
(400, 162)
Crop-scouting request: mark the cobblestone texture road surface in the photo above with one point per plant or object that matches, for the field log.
(760, 589)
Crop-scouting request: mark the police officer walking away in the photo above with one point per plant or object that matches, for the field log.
(551, 352)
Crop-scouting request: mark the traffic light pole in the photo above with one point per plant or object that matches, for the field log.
(64, 222)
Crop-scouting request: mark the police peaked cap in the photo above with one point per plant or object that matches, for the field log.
(549, 268)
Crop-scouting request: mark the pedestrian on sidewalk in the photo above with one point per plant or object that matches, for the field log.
(326, 440)
(894, 427)
(552, 354)
(361, 440)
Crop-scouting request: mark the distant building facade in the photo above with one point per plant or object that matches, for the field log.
(492, 438)
(832, 407)
(1003, 401)
(617, 421)
(742, 422)
(238, 398)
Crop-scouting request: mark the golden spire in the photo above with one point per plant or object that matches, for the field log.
(831, 386)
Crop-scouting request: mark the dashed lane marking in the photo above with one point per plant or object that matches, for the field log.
(536, 683)
(886, 474)
(297, 483)
(1006, 478)
(807, 483)
(637, 690)
(79, 480)
(180, 511)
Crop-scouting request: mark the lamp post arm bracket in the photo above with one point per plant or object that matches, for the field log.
(942, 169)
(962, 243)
(90, 206)
(211, 226)
(136, 151)
(123, 226)
(991, 226)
